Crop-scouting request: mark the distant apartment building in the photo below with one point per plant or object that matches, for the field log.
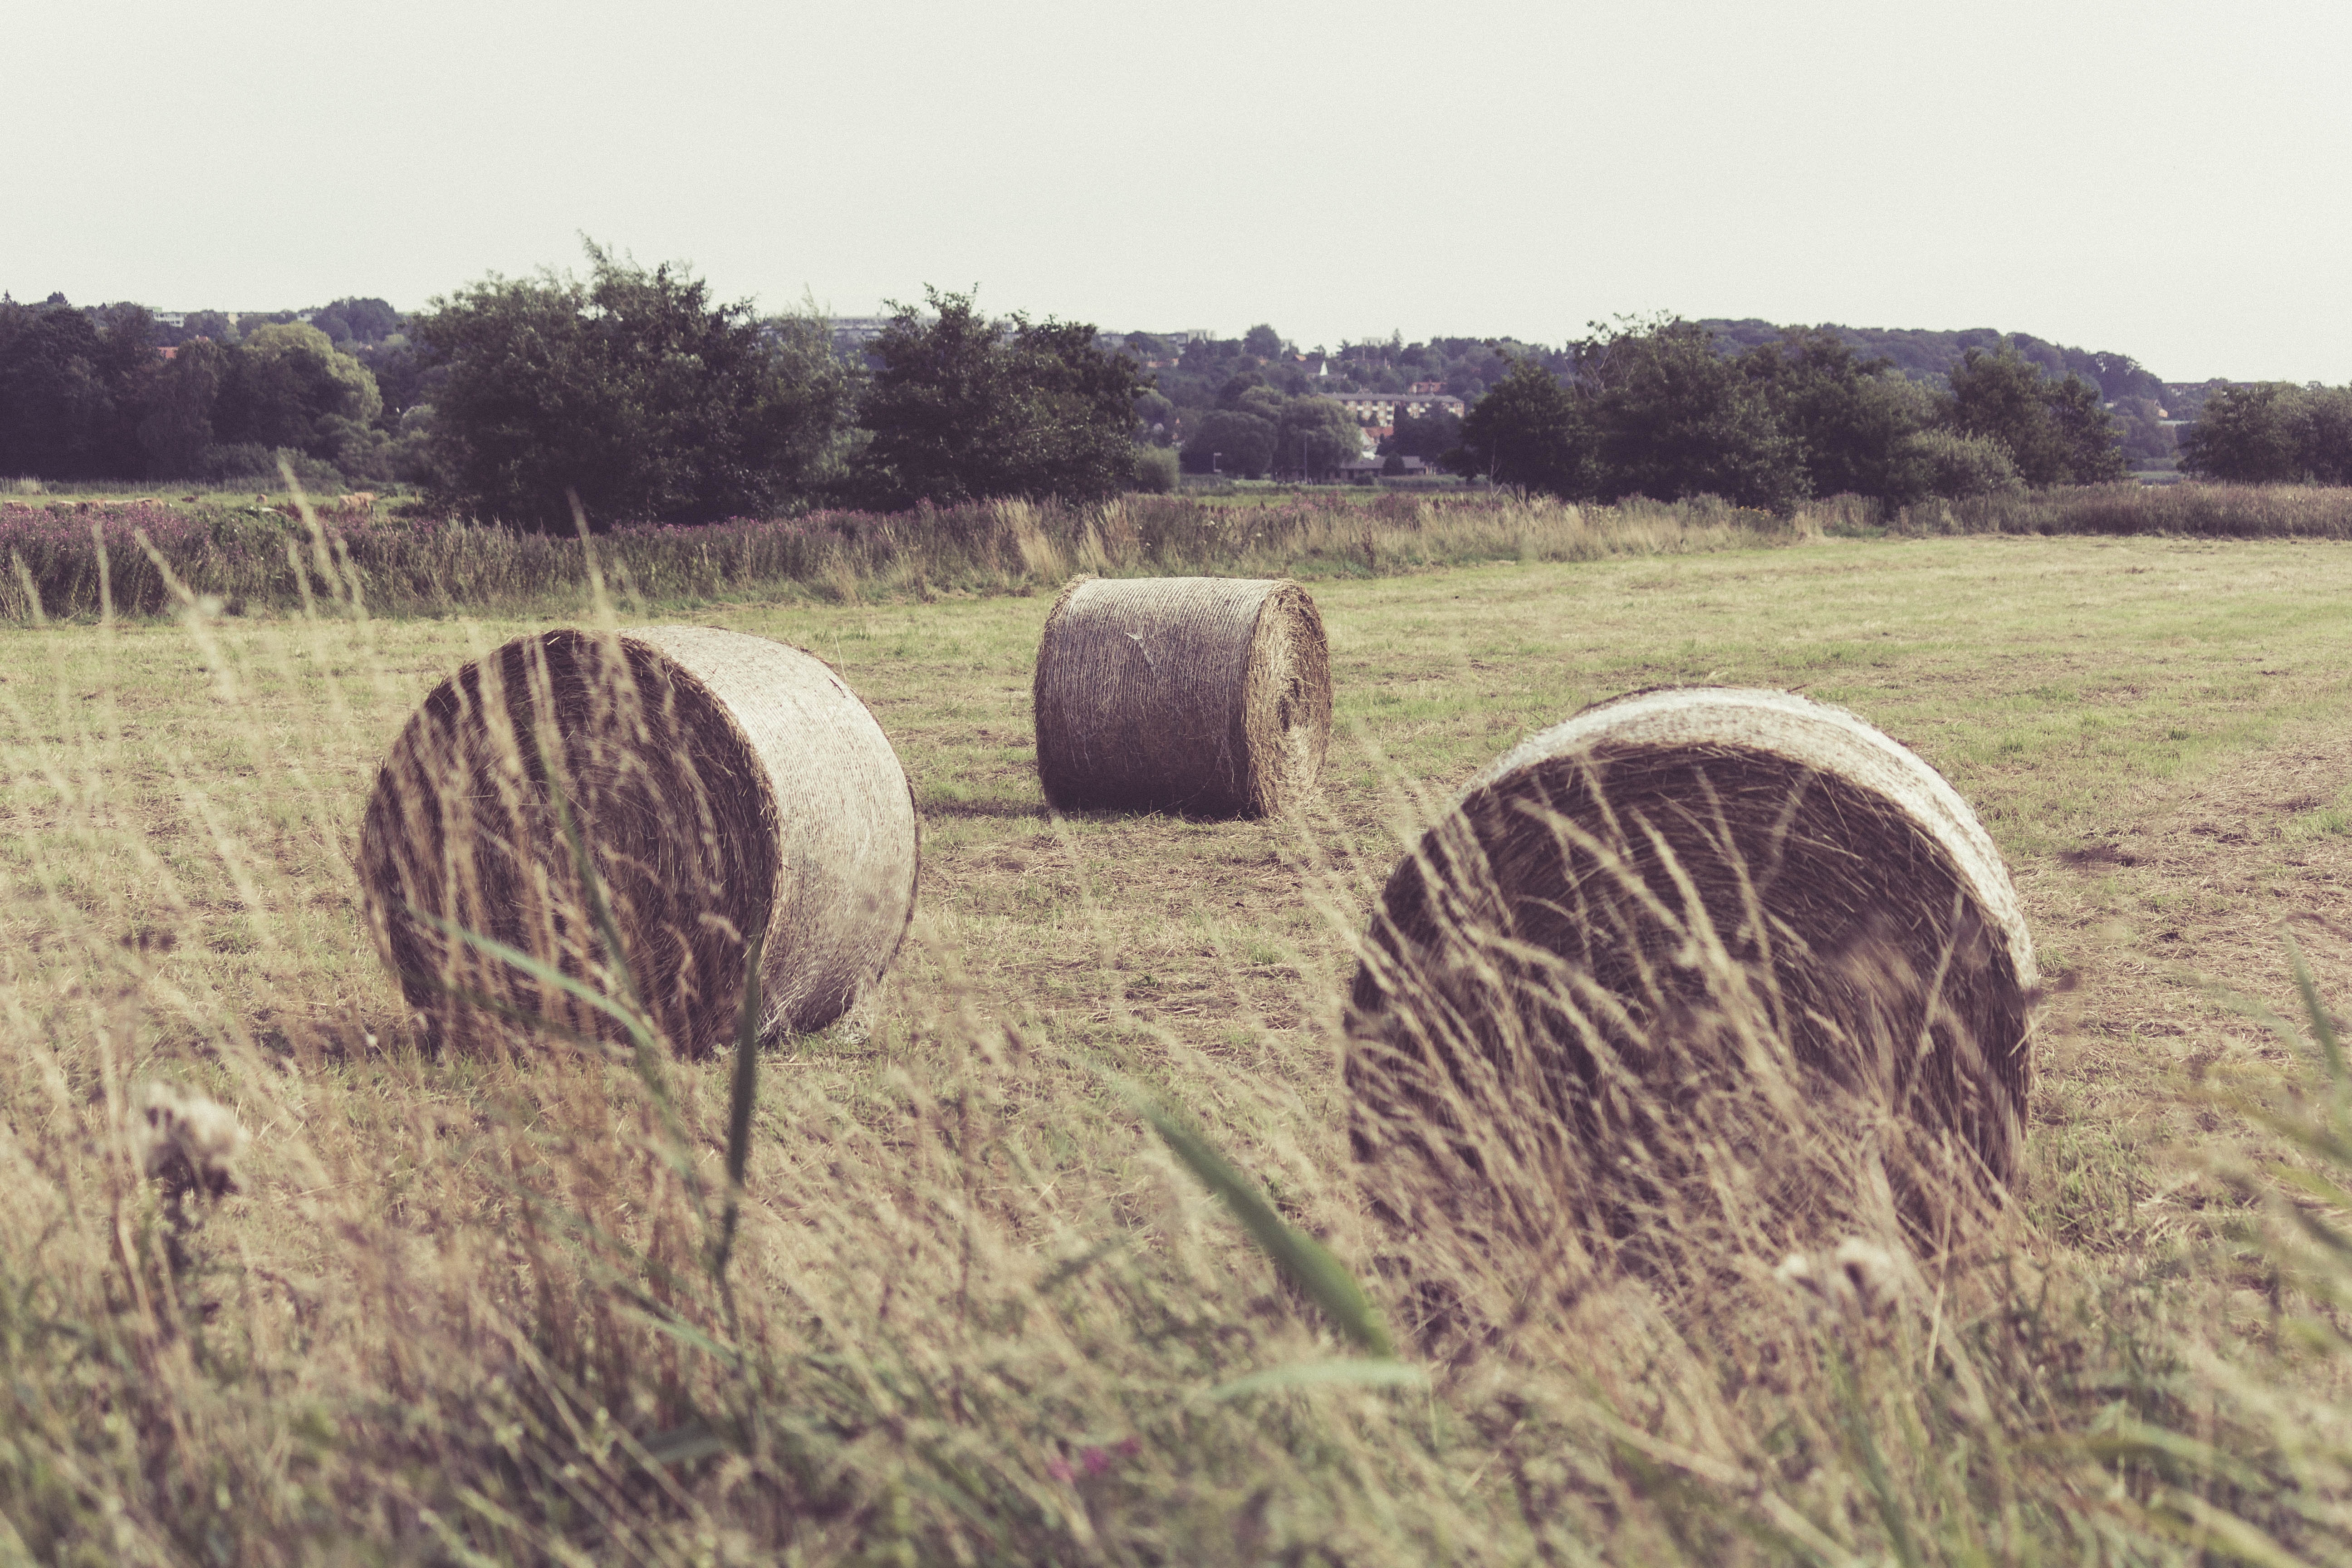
(1383, 407)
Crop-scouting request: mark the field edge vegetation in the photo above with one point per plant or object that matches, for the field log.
(145, 556)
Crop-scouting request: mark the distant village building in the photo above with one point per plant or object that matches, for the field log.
(1370, 470)
(859, 329)
(1383, 407)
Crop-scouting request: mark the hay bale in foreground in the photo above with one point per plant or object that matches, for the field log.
(1857, 921)
(727, 785)
(1205, 695)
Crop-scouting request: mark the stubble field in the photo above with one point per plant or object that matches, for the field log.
(2156, 732)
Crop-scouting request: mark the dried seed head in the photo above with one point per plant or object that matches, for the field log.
(187, 1142)
(1857, 1278)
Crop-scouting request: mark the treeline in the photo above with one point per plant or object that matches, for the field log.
(631, 396)
(1927, 355)
(628, 393)
(1659, 409)
(93, 394)
(2272, 433)
(1206, 377)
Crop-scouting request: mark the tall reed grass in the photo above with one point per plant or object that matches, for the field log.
(2193, 511)
(74, 559)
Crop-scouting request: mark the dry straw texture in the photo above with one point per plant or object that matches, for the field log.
(1207, 695)
(727, 784)
(1683, 918)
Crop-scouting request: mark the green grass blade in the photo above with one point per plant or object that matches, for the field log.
(2218, 1533)
(1308, 1263)
(742, 1095)
(747, 1064)
(2321, 1028)
(684, 1333)
(537, 968)
(536, 1023)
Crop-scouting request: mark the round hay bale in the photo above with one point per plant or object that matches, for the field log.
(727, 786)
(1698, 854)
(1205, 695)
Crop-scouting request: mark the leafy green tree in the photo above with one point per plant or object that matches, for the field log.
(1674, 417)
(177, 425)
(1940, 462)
(2053, 428)
(1228, 441)
(962, 408)
(357, 321)
(2119, 377)
(1154, 417)
(2144, 436)
(72, 386)
(632, 389)
(289, 385)
(2248, 435)
(1262, 341)
(1530, 432)
(2325, 433)
(1430, 436)
(1239, 385)
(1263, 401)
(1850, 418)
(1313, 435)
(401, 376)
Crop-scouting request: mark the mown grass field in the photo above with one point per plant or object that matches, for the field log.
(2156, 732)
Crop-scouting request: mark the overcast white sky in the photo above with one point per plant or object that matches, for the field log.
(2164, 179)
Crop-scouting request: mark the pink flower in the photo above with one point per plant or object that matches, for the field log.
(1059, 1469)
(1095, 1460)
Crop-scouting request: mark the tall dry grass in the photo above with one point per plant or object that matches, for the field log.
(78, 558)
(75, 560)
(2190, 510)
(960, 1300)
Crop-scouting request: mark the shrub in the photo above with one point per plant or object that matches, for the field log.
(249, 462)
(1958, 466)
(1156, 469)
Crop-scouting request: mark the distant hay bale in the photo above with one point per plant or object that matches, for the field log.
(1204, 695)
(1550, 929)
(727, 784)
